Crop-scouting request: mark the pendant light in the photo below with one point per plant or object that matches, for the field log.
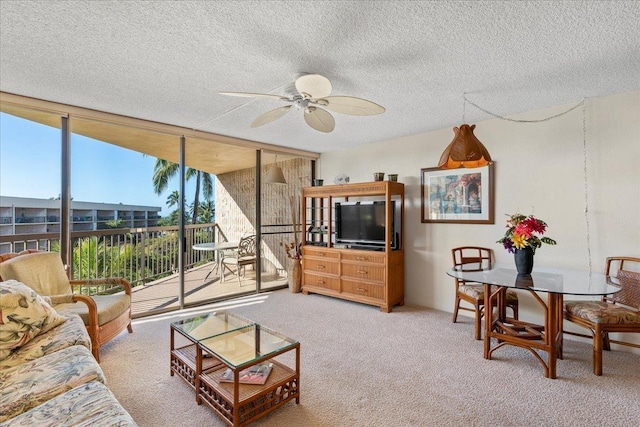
(275, 175)
(465, 151)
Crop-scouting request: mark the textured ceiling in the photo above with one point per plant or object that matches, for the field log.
(165, 61)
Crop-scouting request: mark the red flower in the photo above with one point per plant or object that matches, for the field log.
(535, 225)
(523, 229)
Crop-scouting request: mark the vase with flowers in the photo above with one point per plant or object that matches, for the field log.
(294, 249)
(522, 238)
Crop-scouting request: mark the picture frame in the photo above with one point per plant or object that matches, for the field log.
(463, 196)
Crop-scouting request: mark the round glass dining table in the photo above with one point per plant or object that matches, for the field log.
(555, 282)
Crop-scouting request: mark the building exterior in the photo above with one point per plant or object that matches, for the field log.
(23, 215)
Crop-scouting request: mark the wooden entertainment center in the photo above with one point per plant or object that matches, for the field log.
(370, 274)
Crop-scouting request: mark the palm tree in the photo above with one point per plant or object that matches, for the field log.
(164, 170)
(173, 199)
(206, 211)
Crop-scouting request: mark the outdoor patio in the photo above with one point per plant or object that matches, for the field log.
(162, 295)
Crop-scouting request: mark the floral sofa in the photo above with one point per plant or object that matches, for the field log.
(48, 374)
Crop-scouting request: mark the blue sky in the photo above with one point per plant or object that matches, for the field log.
(30, 167)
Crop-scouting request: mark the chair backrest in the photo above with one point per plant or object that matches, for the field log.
(9, 255)
(474, 258)
(247, 246)
(627, 272)
(42, 271)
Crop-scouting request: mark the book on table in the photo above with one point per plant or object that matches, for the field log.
(256, 374)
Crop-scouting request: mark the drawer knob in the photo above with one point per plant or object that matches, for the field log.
(322, 266)
(362, 272)
(362, 258)
(362, 289)
(321, 282)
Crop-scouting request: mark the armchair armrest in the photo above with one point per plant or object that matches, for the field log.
(92, 307)
(101, 286)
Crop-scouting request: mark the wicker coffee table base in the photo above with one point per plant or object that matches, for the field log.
(254, 401)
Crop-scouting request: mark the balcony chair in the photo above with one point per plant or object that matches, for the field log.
(245, 255)
(476, 258)
(105, 314)
(619, 312)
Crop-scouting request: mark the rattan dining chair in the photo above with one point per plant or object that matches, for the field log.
(619, 312)
(476, 258)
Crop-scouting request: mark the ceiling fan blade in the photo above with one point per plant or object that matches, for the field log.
(313, 85)
(270, 116)
(253, 95)
(319, 119)
(351, 105)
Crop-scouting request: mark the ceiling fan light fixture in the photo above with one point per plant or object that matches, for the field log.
(308, 93)
(465, 151)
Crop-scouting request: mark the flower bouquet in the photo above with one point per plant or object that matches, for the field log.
(523, 232)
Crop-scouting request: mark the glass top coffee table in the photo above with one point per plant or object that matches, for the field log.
(218, 348)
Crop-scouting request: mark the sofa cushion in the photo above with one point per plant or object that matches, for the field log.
(32, 383)
(23, 315)
(71, 332)
(89, 405)
(477, 291)
(602, 312)
(109, 307)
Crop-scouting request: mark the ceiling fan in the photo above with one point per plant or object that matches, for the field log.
(310, 93)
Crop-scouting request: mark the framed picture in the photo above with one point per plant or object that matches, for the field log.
(458, 195)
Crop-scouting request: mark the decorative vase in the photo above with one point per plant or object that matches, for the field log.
(524, 260)
(295, 276)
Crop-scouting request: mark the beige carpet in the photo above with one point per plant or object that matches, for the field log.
(362, 367)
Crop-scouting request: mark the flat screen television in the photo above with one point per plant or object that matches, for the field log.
(363, 223)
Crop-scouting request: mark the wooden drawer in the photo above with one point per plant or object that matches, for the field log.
(324, 266)
(364, 272)
(320, 281)
(372, 257)
(320, 252)
(370, 290)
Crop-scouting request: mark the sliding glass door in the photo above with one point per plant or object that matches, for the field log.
(224, 255)
(283, 177)
(123, 221)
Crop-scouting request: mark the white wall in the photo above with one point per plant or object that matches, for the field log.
(539, 169)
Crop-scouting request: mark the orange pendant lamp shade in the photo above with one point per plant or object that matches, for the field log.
(464, 151)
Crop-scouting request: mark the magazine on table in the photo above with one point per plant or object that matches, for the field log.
(256, 374)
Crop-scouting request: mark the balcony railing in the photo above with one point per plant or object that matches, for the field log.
(30, 219)
(140, 255)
